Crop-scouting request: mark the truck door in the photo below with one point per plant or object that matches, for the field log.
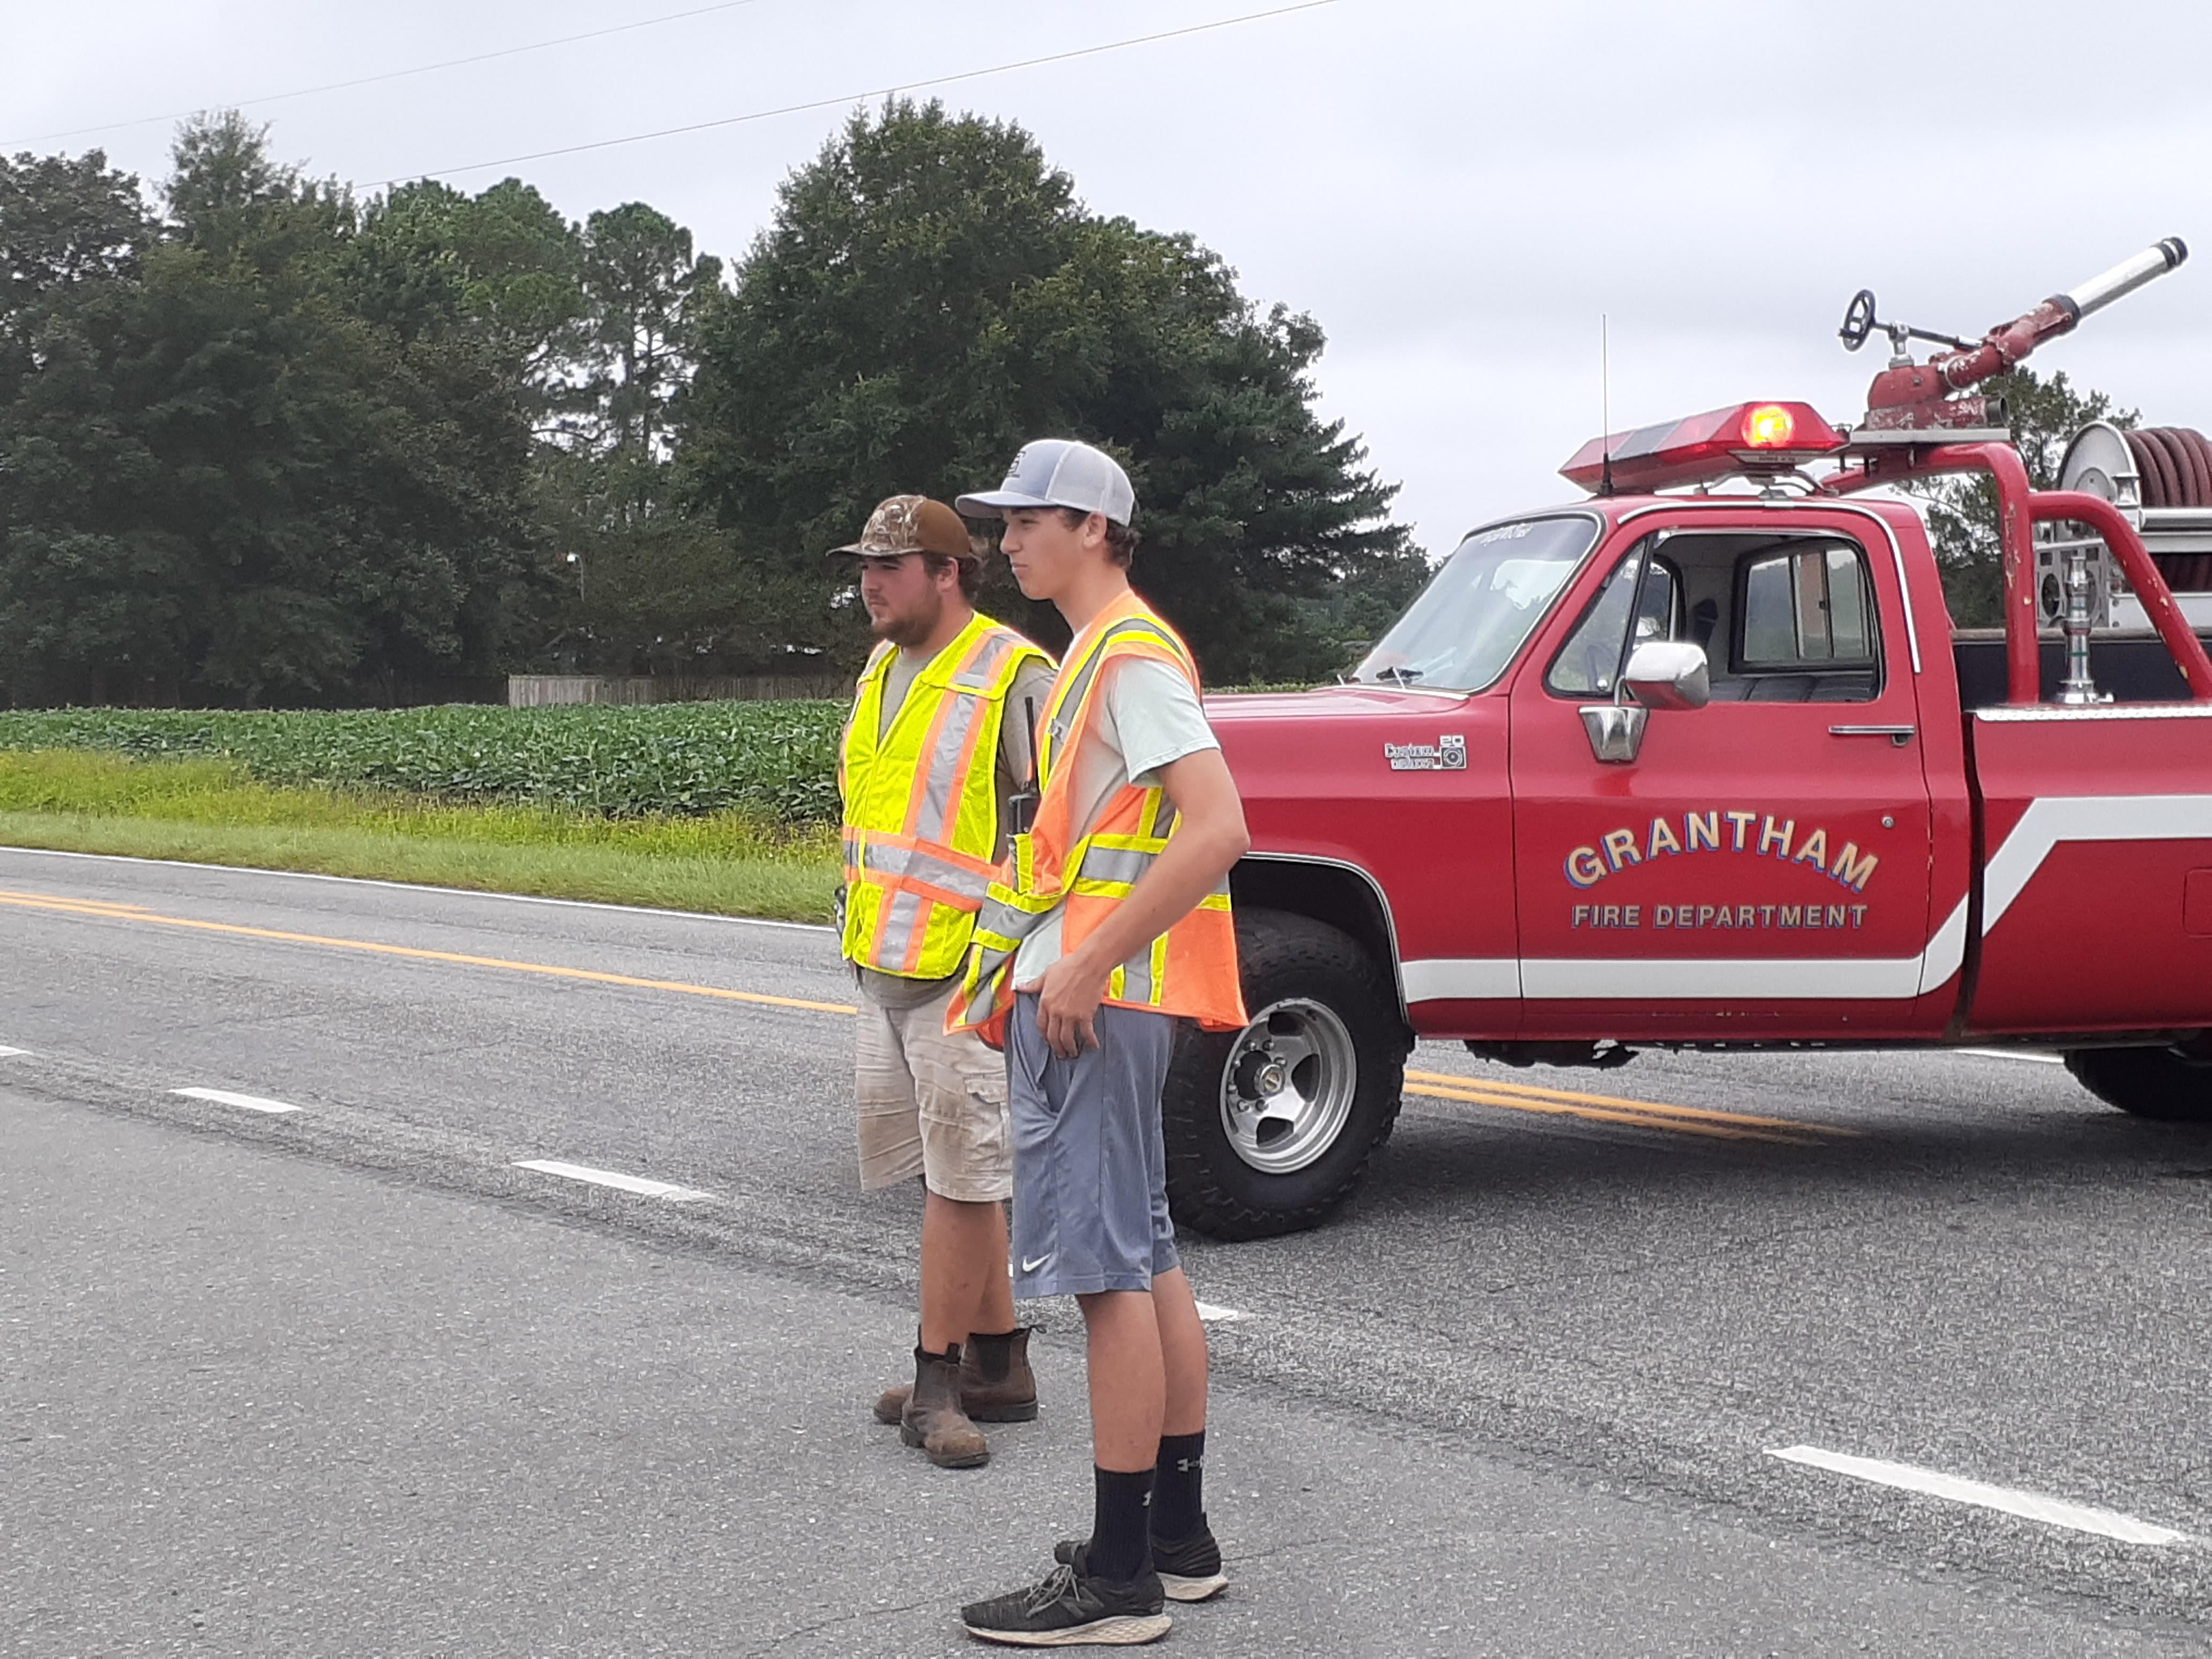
(1760, 869)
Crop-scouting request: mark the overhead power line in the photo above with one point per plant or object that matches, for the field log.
(866, 93)
(389, 75)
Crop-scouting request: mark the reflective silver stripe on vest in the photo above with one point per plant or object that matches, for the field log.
(1116, 864)
(979, 674)
(988, 969)
(899, 925)
(1009, 920)
(1137, 977)
(999, 920)
(940, 770)
(893, 862)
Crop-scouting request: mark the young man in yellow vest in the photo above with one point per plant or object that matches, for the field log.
(1111, 922)
(937, 742)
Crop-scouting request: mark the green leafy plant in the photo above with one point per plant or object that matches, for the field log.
(774, 760)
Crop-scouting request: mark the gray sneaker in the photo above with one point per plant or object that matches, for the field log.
(1070, 1609)
(1189, 1568)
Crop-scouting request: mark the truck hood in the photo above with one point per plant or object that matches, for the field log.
(1322, 773)
(1327, 702)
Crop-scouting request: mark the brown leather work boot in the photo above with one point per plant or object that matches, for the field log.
(996, 1382)
(933, 1420)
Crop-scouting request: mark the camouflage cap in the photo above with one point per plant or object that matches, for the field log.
(912, 524)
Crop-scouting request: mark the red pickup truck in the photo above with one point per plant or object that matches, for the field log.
(1713, 770)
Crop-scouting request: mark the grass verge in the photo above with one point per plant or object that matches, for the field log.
(210, 811)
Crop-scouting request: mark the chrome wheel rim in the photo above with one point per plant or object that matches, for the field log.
(1287, 1089)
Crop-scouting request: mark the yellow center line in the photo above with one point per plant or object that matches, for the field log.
(68, 907)
(1439, 1085)
(1605, 1114)
(1792, 1126)
(85, 906)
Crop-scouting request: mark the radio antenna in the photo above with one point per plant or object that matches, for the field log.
(1604, 406)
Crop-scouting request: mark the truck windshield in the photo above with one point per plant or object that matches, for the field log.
(1480, 606)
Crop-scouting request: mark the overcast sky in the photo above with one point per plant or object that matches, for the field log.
(1455, 190)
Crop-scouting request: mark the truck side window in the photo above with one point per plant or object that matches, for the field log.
(1806, 626)
(1586, 664)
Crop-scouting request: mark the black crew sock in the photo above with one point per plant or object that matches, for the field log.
(1121, 1541)
(1178, 1502)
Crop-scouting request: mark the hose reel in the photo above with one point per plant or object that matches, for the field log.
(2160, 478)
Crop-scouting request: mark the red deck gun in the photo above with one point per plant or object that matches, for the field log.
(1909, 397)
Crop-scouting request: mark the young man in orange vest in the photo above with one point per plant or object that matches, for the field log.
(937, 742)
(1111, 921)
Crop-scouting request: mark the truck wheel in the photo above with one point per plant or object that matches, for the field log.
(1270, 1128)
(2158, 1083)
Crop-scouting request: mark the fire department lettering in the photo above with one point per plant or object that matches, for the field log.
(1761, 834)
(1446, 754)
(1835, 917)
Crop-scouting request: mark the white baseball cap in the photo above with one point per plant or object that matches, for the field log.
(1059, 472)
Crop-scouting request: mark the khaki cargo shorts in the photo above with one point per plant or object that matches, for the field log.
(932, 1105)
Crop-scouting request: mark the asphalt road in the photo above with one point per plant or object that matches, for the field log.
(346, 1379)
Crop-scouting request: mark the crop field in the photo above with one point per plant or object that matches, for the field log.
(728, 808)
(773, 761)
(206, 810)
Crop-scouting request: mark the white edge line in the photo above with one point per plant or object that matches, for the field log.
(627, 1183)
(225, 1097)
(2032, 1506)
(2014, 1054)
(1215, 1315)
(423, 887)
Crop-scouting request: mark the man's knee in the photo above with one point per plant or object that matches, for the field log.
(959, 1208)
(1114, 1305)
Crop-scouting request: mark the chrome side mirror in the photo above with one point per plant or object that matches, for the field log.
(1668, 674)
(1660, 674)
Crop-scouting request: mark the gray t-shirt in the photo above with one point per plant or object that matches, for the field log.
(1032, 685)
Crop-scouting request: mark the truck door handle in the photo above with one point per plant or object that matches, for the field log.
(1899, 735)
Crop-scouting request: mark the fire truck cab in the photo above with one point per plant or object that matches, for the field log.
(1679, 764)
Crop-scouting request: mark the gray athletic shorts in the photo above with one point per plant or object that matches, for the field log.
(1091, 1194)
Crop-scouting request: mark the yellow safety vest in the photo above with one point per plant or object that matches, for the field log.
(921, 804)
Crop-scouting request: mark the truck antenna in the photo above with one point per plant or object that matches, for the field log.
(1604, 406)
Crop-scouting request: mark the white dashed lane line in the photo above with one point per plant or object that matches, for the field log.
(244, 1102)
(5, 1051)
(627, 1183)
(1220, 1316)
(2033, 1506)
(2014, 1054)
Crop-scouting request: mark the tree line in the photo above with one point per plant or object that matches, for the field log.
(267, 442)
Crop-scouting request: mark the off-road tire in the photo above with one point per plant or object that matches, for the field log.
(2154, 1083)
(1210, 1188)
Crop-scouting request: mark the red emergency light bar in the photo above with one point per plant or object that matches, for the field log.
(1743, 438)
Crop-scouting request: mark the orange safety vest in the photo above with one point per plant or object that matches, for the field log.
(1190, 970)
(922, 803)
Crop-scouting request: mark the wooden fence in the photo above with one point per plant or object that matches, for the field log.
(541, 691)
